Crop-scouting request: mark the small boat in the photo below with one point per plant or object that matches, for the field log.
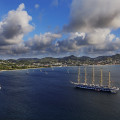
(27, 72)
(68, 71)
(52, 68)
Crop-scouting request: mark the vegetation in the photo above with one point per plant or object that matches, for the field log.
(25, 63)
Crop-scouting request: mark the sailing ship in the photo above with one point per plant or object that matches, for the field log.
(93, 86)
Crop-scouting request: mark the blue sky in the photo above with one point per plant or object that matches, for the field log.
(42, 28)
(46, 17)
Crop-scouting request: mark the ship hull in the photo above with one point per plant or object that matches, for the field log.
(97, 88)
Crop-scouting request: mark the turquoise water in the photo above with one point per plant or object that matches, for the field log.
(47, 94)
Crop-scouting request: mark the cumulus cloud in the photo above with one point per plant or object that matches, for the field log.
(87, 15)
(73, 43)
(88, 32)
(36, 6)
(95, 42)
(42, 42)
(100, 36)
(95, 20)
(19, 49)
(14, 26)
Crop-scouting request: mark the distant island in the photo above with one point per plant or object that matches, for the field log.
(26, 63)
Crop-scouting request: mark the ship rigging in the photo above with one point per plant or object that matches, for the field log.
(93, 86)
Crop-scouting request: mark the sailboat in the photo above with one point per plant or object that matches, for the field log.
(92, 86)
(68, 71)
(27, 72)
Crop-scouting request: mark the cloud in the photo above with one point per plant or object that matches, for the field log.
(14, 50)
(36, 6)
(19, 49)
(100, 36)
(88, 33)
(73, 43)
(99, 41)
(43, 42)
(95, 20)
(87, 15)
(13, 27)
(80, 43)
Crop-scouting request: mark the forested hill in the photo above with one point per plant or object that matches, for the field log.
(23, 63)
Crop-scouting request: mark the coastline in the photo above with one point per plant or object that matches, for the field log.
(21, 69)
(55, 66)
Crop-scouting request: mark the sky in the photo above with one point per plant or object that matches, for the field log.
(58, 28)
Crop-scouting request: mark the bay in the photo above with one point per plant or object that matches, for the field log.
(47, 94)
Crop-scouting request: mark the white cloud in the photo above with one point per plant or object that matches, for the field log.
(76, 34)
(14, 26)
(88, 34)
(87, 15)
(36, 6)
(21, 7)
(100, 36)
(99, 41)
(42, 42)
(95, 19)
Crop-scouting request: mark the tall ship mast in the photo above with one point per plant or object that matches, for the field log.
(85, 77)
(93, 80)
(79, 75)
(92, 86)
(109, 83)
(101, 81)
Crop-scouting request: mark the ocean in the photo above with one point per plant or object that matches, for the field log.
(47, 94)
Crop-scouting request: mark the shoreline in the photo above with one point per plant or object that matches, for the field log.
(20, 69)
(55, 66)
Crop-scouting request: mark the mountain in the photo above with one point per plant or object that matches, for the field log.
(69, 60)
(71, 57)
(28, 59)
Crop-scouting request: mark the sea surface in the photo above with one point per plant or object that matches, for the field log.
(47, 94)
